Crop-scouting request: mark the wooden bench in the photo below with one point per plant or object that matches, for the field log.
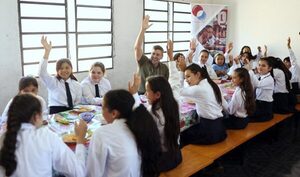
(197, 157)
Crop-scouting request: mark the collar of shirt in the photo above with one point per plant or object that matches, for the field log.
(92, 82)
(119, 121)
(68, 80)
(26, 126)
(264, 76)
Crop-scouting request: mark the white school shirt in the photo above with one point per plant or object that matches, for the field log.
(211, 72)
(56, 88)
(264, 87)
(295, 68)
(39, 151)
(113, 152)
(236, 106)
(89, 92)
(204, 97)
(279, 84)
(44, 109)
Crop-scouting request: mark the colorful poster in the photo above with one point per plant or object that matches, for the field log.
(209, 26)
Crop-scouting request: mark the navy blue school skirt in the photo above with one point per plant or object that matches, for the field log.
(281, 103)
(235, 123)
(263, 111)
(207, 131)
(169, 160)
(295, 88)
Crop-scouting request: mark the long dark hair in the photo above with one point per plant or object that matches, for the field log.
(194, 68)
(250, 52)
(21, 110)
(59, 64)
(142, 125)
(170, 109)
(27, 81)
(278, 63)
(247, 88)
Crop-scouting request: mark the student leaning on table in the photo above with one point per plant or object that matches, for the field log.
(28, 149)
(129, 145)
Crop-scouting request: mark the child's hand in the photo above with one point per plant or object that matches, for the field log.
(80, 129)
(289, 42)
(170, 47)
(193, 44)
(259, 49)
(133, 85)
(46, 45)
(237, 59)
(266, 50)
(230, 47)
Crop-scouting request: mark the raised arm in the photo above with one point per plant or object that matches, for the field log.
(170, 48)
(193, 45)
(138, 51)
(291, 52)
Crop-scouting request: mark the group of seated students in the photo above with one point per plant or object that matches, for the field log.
(138, 140)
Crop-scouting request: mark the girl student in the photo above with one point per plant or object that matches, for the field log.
(242, 103)
(28, 149)
(64, 92)
(165, 112)
(264, 87)
(219, 66)
(129, 145)
(27, 84)
(281, 74)
(95, 85)
(209, 105)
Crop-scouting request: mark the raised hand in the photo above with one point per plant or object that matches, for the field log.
(170, 47)
(80, 129)
(193, 44)
(47, 46)
(145, 23)
(133, 85)
(259, 49)
(289, 42)
(266, 50)
(230, 47)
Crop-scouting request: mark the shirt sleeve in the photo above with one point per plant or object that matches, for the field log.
(233, 104)
(293, 58)
(48, 80)
(88, 96)
(3, 118)
(78, 97)
(143, 60)
(64, 159)
(175, 79)
(97, 157)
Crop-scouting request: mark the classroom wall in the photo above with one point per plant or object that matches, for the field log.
(251, 22)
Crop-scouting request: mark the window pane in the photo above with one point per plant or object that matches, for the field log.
(182, 36)
(159, 5)
(182, 17)
(152, 37)
(71, 16)
(35, 40)
(157, 15)
(182, 26)
(38, 10)
(159, 26)
(34, 69)
(182, 7)
(51, 1)
(37, 54)
(85, 26)
(181, 45)
(72, 51)
(86, 39)
(85, 65)
(94, 2)
(87, 52)
(43, 25)
(83, 12)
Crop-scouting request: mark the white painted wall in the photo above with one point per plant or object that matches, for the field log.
(270, 22)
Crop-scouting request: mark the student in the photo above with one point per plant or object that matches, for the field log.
(264, 85)
(282, 76)
(293, 65)
(27, 84)
(220, 67)
(149, 67)
(95, 85)
(209, 105)
(129, 145)
(164, 109)
(242, 102)
(64, 92)
(202, 63)
(28, 149)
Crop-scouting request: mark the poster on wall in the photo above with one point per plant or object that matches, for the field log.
(209, 26)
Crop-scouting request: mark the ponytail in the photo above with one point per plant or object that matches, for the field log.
(142, 125)
(21, 110)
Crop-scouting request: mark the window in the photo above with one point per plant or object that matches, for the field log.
(80, 30)
(171, 20)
